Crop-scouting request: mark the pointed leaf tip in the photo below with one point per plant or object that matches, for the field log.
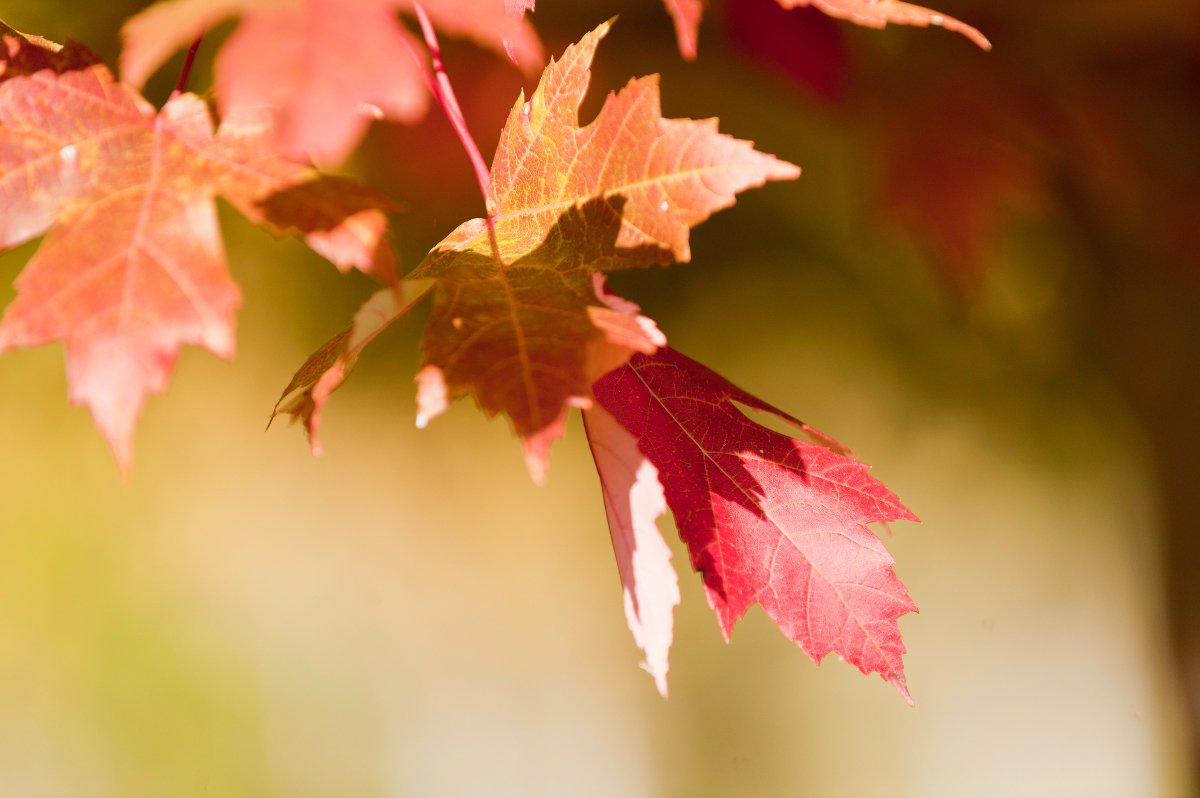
(686, 16)
(112, 376)
(432, 398)
(898, 681)
(537, 446)
(328, 367)
(878, 13)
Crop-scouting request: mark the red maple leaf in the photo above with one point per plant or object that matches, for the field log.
(133, 264)
(767, 519)
(328, 66)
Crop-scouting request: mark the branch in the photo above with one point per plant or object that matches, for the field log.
(439, 86)
(187, 66)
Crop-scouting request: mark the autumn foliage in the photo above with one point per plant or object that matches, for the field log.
(132, 266)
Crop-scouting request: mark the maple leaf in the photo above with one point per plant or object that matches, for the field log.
(520, 316)
(133, 265)
(516, 307)
(766, 518)
(870, 13)
(330, 66)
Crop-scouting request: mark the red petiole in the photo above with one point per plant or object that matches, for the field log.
(187, 66)
(439, 86)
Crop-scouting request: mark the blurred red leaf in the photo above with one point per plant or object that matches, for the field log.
(957, 156)
(686, 15)
(133, 264)
(329, 66)
(440, 184)
(766, 518)
(871, 13)
(803, 43)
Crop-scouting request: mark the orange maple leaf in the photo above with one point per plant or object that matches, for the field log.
(516, 307)
(520, 318)
(133, 264)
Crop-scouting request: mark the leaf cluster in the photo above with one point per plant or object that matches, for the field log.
(132, 267)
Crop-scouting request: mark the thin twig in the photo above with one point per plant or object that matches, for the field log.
(440, 86)
(187, 66)
(415, 51)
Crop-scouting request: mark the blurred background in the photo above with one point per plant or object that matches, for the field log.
(985, 282)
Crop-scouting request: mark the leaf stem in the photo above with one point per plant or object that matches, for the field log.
(187, 66)
(439, 86)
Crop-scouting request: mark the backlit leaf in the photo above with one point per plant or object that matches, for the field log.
(521, 319)
(328, 367)
(516, 309)
(767, 519)
(133, 264)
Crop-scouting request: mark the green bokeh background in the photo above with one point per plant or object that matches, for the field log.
(409, 616)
